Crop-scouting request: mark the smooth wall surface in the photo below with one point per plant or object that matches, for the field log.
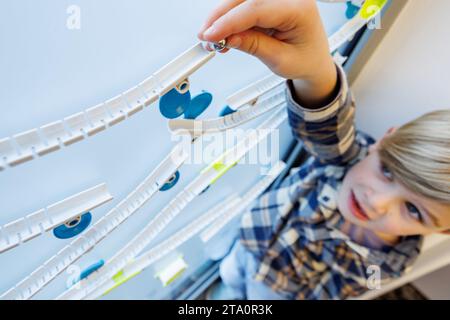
(409, 73)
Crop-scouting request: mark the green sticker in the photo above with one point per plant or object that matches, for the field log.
(371, 8)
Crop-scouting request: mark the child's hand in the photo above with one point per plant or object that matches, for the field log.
(286, 35)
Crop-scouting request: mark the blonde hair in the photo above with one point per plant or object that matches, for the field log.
(418, 155)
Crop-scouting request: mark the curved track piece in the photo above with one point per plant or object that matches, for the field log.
(39, 278)
(51, 137)
(214, 218)
(196, 128)
(207, 177)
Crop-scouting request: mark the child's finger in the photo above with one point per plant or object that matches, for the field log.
(245, 16)
(222, 9)
(257, 44)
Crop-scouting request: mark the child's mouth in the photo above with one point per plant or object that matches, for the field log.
(356, 209)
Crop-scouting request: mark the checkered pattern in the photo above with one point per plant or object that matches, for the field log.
(294, 231)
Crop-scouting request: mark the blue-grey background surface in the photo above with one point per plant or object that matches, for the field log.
(48, 72)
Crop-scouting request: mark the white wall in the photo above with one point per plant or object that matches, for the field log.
(408, 75)
(434, 285)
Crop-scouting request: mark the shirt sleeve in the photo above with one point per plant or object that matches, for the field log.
(328, 133)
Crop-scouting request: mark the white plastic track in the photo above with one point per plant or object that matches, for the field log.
(69, 254)
(196, 128)
(247, 199)
(43, 220)
(51, 137)
(174, 207)
(225, 210)
(368, 11)
(33, 284)
(251, 93)
(346, 32)
(165, 247)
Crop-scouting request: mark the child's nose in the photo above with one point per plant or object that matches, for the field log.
(378, 201)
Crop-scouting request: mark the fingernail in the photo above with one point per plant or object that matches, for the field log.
(209, 32)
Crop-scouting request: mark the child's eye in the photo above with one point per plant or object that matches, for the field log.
(414, 212)
(386, 172)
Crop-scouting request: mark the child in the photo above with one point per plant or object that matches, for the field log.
(356, 207)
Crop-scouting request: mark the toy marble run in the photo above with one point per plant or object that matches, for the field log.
(169, 85)
(223, 211)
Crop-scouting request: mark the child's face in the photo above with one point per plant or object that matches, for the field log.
(370, 198)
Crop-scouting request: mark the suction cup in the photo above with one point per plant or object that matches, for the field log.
(352, 10)
(91, 269)
(198, 105)
(173, 104)
(171, 183)
(88, 271)
(226, 111)
(73, 227)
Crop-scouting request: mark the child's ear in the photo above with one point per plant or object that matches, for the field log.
(390, 131)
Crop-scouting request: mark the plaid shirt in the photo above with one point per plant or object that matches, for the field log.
(294, 231)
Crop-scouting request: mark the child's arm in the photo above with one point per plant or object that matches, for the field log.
(296, 49)
(288, 36)
(328, 132)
